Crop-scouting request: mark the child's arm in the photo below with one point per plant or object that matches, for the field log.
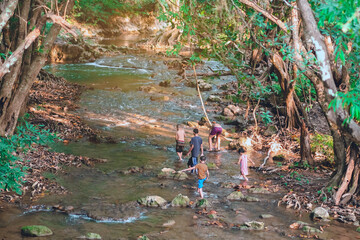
(188, 169)
(251, 161)
(208, 174)
(191, 148)
(239, 160)
(202, 150)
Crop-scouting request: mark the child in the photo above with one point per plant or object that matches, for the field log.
(196, 147)
(216, 131)
(203, 174)
(180, 140)
(243, 162)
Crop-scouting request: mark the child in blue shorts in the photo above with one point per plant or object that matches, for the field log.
(203, 174)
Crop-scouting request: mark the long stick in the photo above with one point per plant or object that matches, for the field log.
(202, 103)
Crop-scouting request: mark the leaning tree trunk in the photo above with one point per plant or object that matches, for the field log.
(324, 83)
(16, 84)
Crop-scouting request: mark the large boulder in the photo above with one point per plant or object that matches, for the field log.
(152, 201)
(36, 231)
(180, 201)
(235, 196)
(319, 213)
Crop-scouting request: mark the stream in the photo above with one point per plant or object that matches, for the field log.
(144, 130)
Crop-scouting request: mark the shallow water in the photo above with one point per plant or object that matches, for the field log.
(145, 131)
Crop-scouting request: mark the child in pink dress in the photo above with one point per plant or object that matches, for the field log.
(243, 162)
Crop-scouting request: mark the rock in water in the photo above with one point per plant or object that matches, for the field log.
(253, 225)
(180, 176)
(180, 201)
(309, 229)
(250, 199)
(91, 236)
(168, 173)
(259, 190)
(264, 216)
(152, 201)
(213, 98)
(212, 166)
(169, 223)
(235, 196)
(36, 231)
(319, 213)
(202, 203)
(143, 238)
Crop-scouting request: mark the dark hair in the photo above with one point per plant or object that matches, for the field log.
(196, 130)
(241, 150)
(202, 158)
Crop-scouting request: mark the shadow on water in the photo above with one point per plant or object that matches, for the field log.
(145, 131)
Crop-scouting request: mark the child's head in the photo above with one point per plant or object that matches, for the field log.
(202, 158)
(241, 150)
(196, 131)
(179, 126)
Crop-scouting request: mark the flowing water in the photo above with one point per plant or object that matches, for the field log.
(144, 130)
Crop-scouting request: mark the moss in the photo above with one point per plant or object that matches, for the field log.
(36, 231)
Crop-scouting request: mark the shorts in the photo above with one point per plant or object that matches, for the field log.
(216, 131)
(201, 182)
(180, 146)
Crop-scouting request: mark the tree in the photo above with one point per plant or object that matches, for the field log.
(345, 131)
(27, 38)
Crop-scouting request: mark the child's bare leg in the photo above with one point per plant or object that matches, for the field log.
(218, 142)
(246, 179)
(244, 176)
(201, 193)
(210, 142)
(180, 155)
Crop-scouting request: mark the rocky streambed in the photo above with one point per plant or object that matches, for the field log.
(128, 109)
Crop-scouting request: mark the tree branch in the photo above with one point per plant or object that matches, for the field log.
(265, 13)
(7, 10)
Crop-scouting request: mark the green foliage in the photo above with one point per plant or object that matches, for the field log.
(11, 167)
(350, 101)
(99, 11)
(266, 117)
(322, 144)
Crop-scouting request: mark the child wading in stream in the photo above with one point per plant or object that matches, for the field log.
(180, 140)
(203, 174)
(243, 158)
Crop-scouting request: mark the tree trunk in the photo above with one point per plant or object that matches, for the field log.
(325, 86)
(16, 84)
(305, 148)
